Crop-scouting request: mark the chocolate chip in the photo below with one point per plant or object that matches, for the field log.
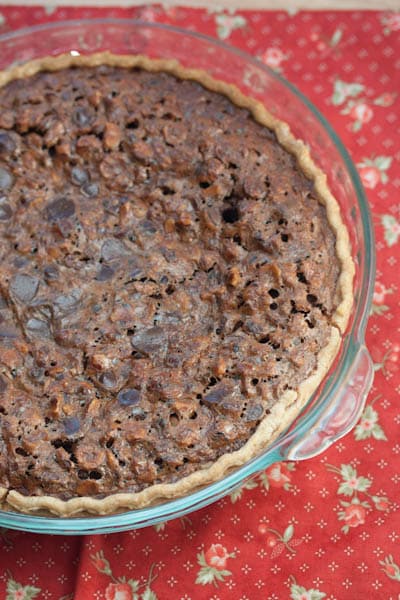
(66, 303)
(138, 413)
(79, 176)
(71, 425)
(5, 211)
(128, 397)
(51, 273)
(38, 328)
(7, 144)
(135, 273)
(254, 413)
(8, 331)
(105, 274)
(24, 287)
(108, 379)
(90, 189)
(6, 179)
(37, 373)
(3, 385)
(216, 395)
(150, 341)
(148, 226)
(112, 249)
(81, 117)
(62, 208)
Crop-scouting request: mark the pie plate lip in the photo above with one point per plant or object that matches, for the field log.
(322, 421)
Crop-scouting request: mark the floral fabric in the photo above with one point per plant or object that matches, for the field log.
(328, 527)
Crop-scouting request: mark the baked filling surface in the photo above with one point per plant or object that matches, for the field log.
(169, 279)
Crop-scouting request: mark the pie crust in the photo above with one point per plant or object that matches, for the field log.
(289, 405)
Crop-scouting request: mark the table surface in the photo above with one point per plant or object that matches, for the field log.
(326, 527)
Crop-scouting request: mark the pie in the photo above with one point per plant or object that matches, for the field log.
(175, 281)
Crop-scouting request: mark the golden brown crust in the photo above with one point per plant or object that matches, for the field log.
(290, 404)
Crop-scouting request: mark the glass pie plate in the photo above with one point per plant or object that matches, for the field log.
(335, 407)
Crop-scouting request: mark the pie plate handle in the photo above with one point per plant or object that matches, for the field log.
(342, 412)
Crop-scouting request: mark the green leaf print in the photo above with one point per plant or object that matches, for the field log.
(148, 595)
(378, 433)
(390, 568)
(134, 584)
(355, 484)
(316, 595)
(264, 481)
(205, 576)
(209, 575)
(383, 162)
(343, 90)
(288, 533)
(385, 100)
(369, 426)
(201, 560)
(298, 592)
(228, 23)
(16, 590)
(379, 309)
(345, 489)
(363, 484)
(347, 472)
(392, 229)
(237, 494)
(335, 39)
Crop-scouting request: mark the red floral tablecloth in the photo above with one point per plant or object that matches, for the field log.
(323, 528)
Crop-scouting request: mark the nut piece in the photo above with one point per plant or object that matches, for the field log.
(234, 277)
(169, 225)
(89, 147)
(142, 151)
(220, 368)
(185, 219)
(7, 119)
(101, 362)
(112, 136)
(54, 134)
(95, 98)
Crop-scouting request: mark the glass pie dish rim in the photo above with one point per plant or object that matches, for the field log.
(352, 346)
